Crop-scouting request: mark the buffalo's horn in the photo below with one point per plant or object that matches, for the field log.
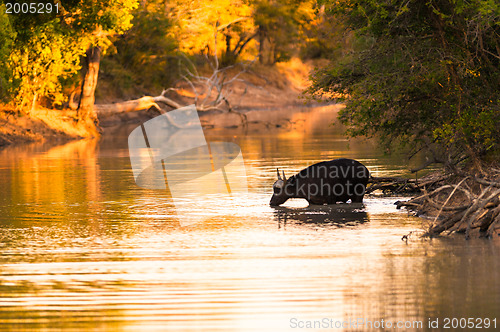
(284, 177)
(278, 172)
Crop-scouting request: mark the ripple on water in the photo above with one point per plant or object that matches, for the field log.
(82, 247)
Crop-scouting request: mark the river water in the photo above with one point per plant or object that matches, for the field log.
(83, 247)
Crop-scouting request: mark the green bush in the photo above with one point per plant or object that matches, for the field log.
(144, 58)
(424, 73)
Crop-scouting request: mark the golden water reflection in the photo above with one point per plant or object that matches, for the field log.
(82, 247)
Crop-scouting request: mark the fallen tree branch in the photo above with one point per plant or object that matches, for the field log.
(493, 226)
(448, 199)
(136, 105)
(426, 198)
(392, 184)
(456, 202)
(403, 185)
(477, 208)
(481, 205)
(487, 183)
(210, 93)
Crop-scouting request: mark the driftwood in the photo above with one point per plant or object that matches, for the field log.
(399, 185)
(392, 185)
(148, 102)
(210, 94)
(136, 105)
(470, 206)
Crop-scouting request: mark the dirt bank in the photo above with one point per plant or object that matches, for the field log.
(41, 124)
(259, 88)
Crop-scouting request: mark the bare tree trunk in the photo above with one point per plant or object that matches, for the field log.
(262, 38)
(242, 43)
(135, 105)
(86, 113)
(228, 44)
(228, 57)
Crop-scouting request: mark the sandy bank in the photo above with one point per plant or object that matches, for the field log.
(41, 124)
(261, 88)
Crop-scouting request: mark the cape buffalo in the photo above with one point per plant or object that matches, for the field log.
(327, 182)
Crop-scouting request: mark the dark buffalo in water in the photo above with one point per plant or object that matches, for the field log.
(327, 182)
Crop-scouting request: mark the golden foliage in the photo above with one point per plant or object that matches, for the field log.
(198, 22)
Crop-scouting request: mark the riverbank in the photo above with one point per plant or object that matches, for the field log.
(42, 124)
(256, 89)
(260, 88)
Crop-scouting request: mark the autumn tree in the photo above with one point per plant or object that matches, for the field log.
(235, 27)
(201, 26)
(280, 27)
(7, 36)
(46, 49)
(94, 22)
(425, 73)
(145, 57)
(37, 54)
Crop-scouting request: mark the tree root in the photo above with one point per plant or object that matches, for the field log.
(398, 185)
(471, 206)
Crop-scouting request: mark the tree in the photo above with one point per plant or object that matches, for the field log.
(45, 49)
(280, 27)
(324, 38)
(201, 23)
(36, 56)
(40, 63)
(145, 57)
(422, 72)
(94, 22)
(7, 36)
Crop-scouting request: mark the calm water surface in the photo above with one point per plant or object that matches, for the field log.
(82, 247)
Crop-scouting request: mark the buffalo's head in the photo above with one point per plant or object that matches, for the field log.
(280, 195)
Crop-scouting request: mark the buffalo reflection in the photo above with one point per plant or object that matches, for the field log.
(338, 215)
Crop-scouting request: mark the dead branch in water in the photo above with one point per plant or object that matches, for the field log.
(399, 185)
(136, 105)
(393, 185)
(214, 93)
(211, 93)
(471, 206)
